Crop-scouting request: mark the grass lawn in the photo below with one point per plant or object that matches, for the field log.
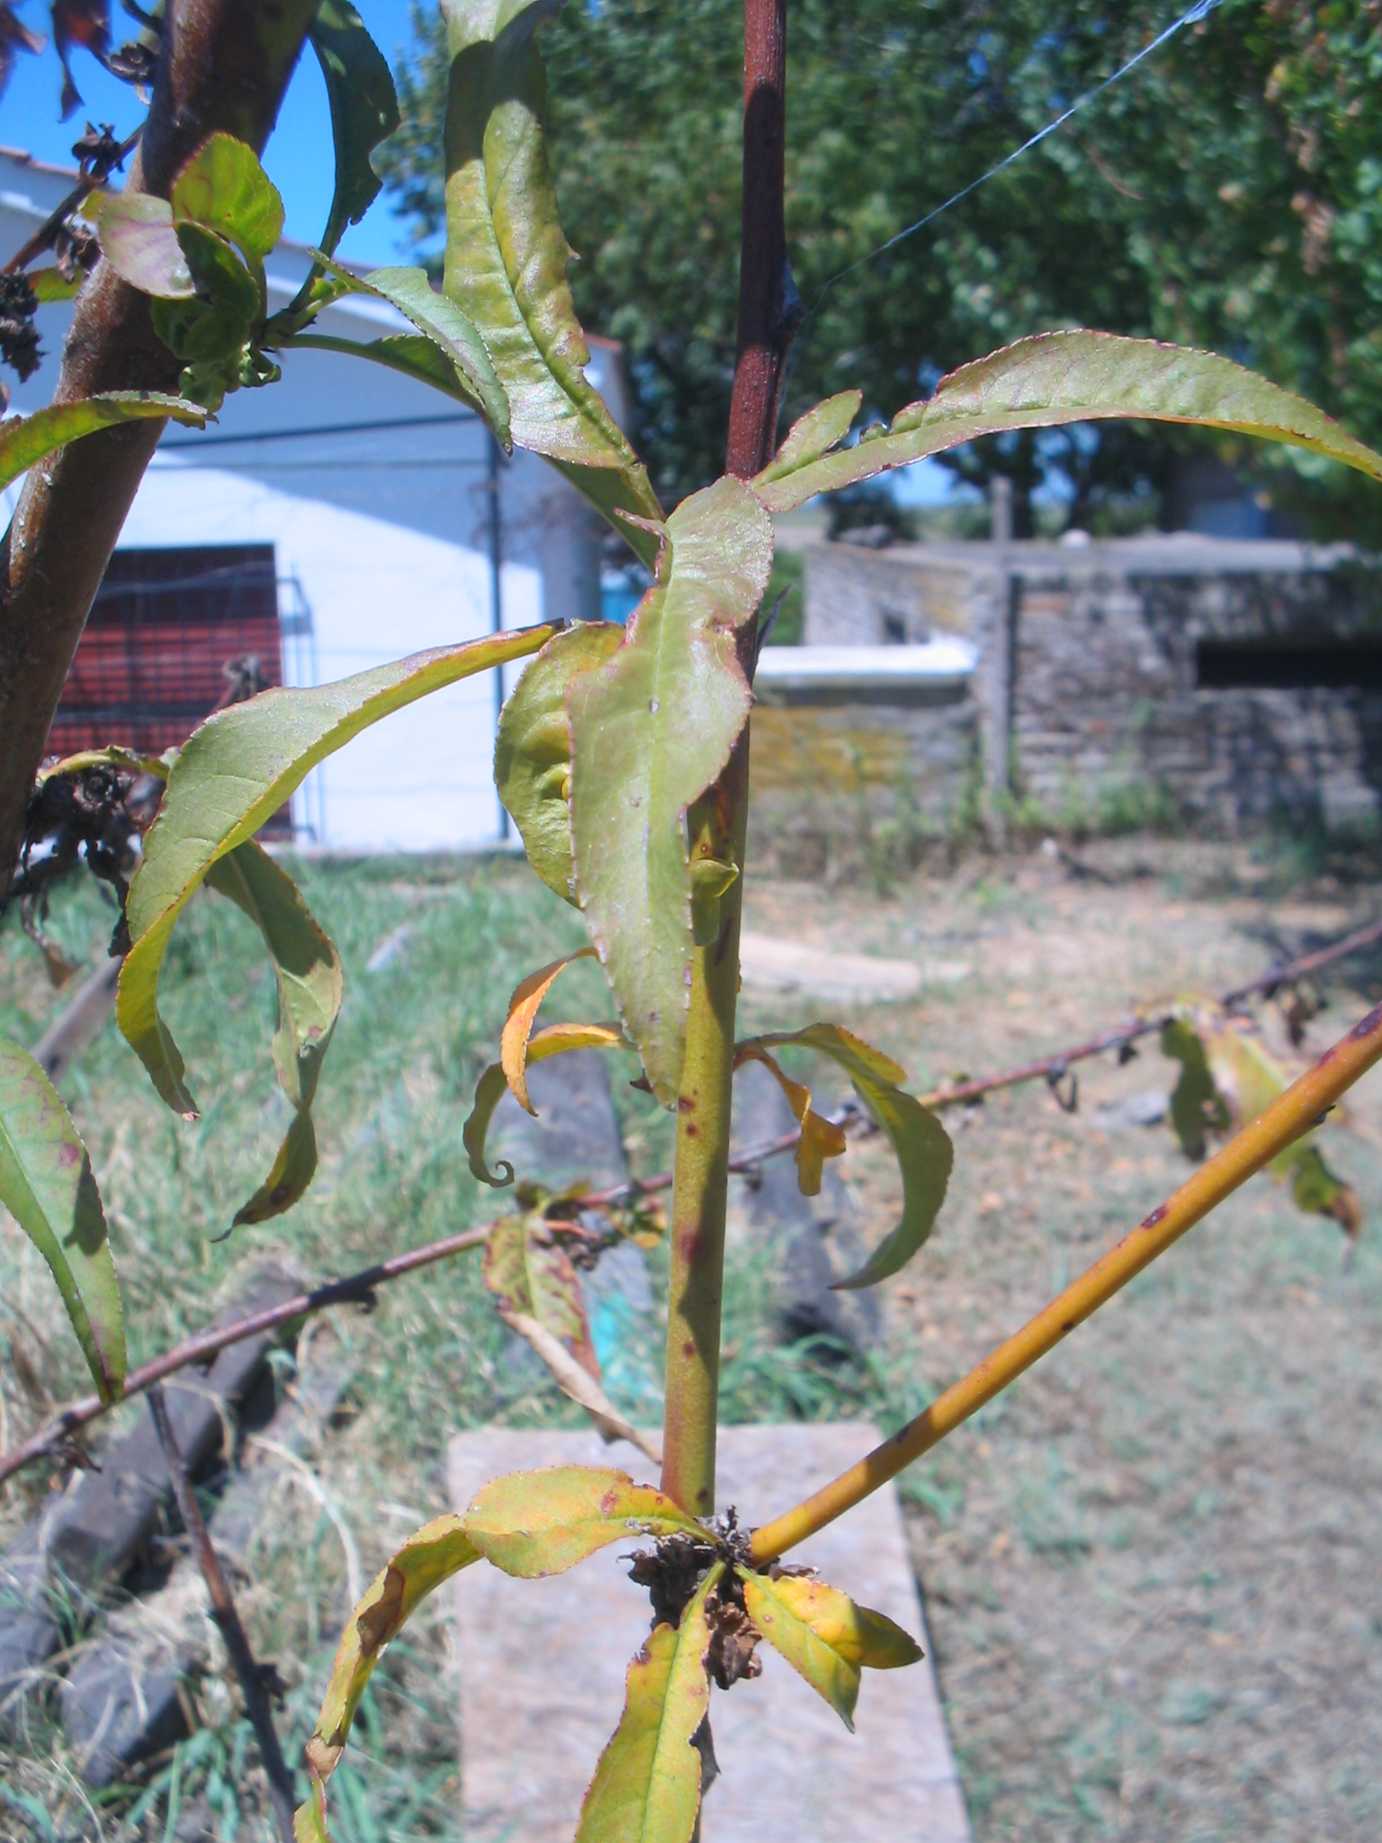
(1151, 1569)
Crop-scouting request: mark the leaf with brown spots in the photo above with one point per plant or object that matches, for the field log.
(538, 1523)
(824, 1636)
(438, 1550)
(47, 1186)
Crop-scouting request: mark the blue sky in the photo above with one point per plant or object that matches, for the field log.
(298, 157)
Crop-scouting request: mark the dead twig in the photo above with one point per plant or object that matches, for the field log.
(254, 1678)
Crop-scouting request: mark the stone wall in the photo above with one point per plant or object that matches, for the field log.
(1091, 676)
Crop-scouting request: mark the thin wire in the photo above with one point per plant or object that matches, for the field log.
(1192, 16)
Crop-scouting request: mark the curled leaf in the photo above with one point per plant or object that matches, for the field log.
(47, 1186)
(539, 1523)
(518, 1025)
(825, 1636)
(233, 772)
(921, 1144)
(310, 985)
(555, 1040)
(820, 1138)
(139, 240)
(1056, 378)
(532, 749)
(651, 729)
(438, 1550)
(647, 1785)
(711, 882)
(364, 110)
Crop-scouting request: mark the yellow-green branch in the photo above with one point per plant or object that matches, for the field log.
(1291, 1115)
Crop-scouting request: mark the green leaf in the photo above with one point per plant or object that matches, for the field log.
(438, 1550)
(441, 321)
(364, 110)
(139, 240)
(47, 1186)
(1069, 377)
(307, 971)
(538, 1523)
(532, 750)
(216, 324)
(651, 729)
(493, 1085)
(234, 771)
(224, 188)
(813, 435)
(921, 1143)
(824, 1636)
(506, 256)
(26, 439)
(412, 355)
(50, 285)
(647, 1786)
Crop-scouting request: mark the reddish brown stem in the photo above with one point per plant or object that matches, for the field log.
(250, 1674)
(764, 322)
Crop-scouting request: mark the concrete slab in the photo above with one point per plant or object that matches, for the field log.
(772, 965)
(541, 1669)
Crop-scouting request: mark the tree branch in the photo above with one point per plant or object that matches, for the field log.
(358, 1288)
(223, 66)
(251, 1675)
(1292, 1114)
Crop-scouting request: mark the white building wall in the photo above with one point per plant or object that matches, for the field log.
(385, 530)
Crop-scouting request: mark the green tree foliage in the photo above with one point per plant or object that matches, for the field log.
(1226, 194)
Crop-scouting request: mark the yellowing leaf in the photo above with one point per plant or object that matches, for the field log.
(506, 256)
(555, 1040)
(233, 772)
(47, 1186)
(530, 1273)
(921, 1144)
(224, 188)
(1059, 378)
(820, 1138)
(647, 1786)
(532, 750)
(538, 1523)
(651, 729)
(824, 1636)
(518, 1025)
(1228, 1077)
(437, 1551)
